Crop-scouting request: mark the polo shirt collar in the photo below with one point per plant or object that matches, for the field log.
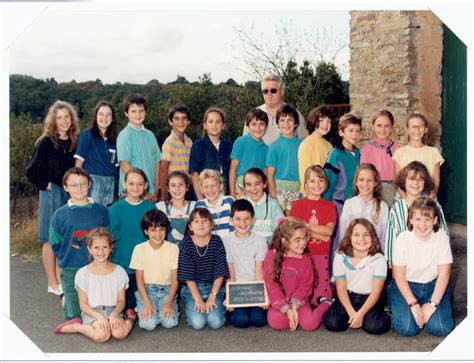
(89, 204)
(255, 141)
(260, 201)
(175, 136)
(135, 128)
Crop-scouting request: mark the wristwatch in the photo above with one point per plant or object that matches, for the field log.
(434, 304)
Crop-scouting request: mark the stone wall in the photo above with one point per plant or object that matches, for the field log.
(395, 64)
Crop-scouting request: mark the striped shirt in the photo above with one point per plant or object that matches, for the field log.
(220, 213)
(202, 264)
(397, 223)
(177, 152)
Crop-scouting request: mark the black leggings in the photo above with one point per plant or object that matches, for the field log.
(376, 321)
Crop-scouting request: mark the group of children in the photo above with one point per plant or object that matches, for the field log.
(287, 214)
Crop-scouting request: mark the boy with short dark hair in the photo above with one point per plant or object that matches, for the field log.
(137, 146)
(155, 263)
(343, 161)
(282, 159)
(245, 251)
(177, 146)
(249, 151)
(69, 227)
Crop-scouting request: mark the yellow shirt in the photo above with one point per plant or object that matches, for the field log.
(427, 155)
(156, 264)
(313, 150)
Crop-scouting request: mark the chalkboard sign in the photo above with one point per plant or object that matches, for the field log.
(245, 294)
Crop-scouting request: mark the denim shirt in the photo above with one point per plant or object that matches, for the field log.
(204, 155)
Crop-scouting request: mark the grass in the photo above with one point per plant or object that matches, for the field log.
(24, 234)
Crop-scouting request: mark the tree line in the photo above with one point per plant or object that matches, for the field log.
(307, 86)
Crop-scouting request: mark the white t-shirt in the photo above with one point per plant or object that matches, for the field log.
(422, 258)
(244, 253)
(359, 278)
(101, 289)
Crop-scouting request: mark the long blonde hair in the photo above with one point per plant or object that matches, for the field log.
(377, 195)
(50, 128)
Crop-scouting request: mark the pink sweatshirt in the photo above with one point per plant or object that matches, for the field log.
(297, 276)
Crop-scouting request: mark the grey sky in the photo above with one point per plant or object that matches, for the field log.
(136, 44)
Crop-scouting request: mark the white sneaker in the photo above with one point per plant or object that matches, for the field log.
(58, 291)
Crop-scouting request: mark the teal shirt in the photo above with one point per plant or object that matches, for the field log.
(125, 227)
(267, 212)
(283, 157)
(250, 153)
(140, 149)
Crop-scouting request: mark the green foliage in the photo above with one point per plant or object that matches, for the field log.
(23, 134)
(308, 87)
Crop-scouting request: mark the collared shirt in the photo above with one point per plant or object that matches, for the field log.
(205, 155)
(283, 157)
(267, 212)
(359, 278)
(250, 153)
(98, 154)
(380, 158)
(177, 152)
(273, 132)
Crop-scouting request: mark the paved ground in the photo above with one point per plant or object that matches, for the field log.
(36, 313)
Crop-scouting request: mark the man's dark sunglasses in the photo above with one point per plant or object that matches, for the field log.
(271, 90)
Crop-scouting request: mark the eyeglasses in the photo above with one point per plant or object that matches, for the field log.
(78, 186)
(271, 90)
(300, 239)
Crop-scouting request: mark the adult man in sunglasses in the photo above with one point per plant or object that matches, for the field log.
(273, 91)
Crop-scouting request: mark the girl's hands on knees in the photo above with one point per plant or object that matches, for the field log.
(148, 311)
(210, 303)
(292, 319)
(200, 306)
(168, 311)
(428, 310)
(419, 315)
(356, 320)
(114, 321)
(103, 323)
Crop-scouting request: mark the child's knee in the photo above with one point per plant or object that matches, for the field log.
(438, 327)
(148, 324)
(197, 322)
(215, 321)
(101, 336)
(377, 325)
(120, 333)
(170, 323)
(407, 328)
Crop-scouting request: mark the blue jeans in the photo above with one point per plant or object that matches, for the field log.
(102, 189)
(49, 201)
(158, 294)
(441, 323)
(245, 317)
(214, 319)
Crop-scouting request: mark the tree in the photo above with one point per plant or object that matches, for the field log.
(23, 135)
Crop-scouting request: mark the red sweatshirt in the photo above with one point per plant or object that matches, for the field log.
(297, 276)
